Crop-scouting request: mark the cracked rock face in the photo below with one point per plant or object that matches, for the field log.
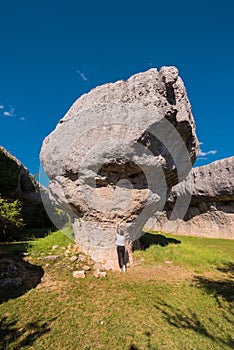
(116, 154)
(211, 210)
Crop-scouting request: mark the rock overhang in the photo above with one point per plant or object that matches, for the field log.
(122, 143)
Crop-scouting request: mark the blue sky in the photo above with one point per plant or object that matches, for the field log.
(54, 51)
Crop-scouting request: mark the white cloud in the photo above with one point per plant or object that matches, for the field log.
(203, 155)
(22, 118)
(82, 75)
(2, 107)
(7, 114)
(10, 112)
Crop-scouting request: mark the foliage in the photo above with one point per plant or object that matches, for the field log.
(10, 218)
(9, 174)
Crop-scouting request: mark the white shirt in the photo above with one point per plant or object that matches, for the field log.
(120, 240)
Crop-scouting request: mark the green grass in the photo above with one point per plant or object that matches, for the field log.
(194, 253)
(44, 245)
(191, 311)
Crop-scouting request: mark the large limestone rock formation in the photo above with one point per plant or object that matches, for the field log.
(116, 154)
(211, 211)
(16, 182)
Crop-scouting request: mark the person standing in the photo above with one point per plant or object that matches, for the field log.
(120, 244)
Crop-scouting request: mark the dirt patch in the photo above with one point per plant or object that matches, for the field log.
(159, 273)
(48, 283)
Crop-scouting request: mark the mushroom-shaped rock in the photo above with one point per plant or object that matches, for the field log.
(116, 154)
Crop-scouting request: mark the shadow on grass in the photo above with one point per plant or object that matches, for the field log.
(189, 320)
(148, 239)
(20, 336)
(223, 288)
(148, 343)
(27, 234)
(229, 268)
(17, 276)
(14, 249)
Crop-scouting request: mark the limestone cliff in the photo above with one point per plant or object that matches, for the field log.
(17, 183)
(211, 211)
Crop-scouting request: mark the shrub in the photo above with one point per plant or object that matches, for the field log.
(10, 218)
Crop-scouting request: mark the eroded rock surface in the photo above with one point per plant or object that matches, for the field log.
(16, 182)
(117, 153)
(211, 211)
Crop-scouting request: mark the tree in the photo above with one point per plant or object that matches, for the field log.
(11, 221)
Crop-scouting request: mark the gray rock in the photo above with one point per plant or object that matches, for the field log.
(10, 283)
(98, 266)
(211, 183)
(73, 258)
(116, 154)
(11, 269)
(82, 258)
(51, 257)
(79, 274)
(211, 210)
(99, 274)
(86, 268)
(18, 183)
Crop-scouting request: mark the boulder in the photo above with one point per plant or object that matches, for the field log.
(51, 257)
(99, 274)
(79, 274)
(116, 154)
(73, 258)
(10, 283)
(211, 211)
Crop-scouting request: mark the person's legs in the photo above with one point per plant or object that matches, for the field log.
(120, 256)
(123, 259)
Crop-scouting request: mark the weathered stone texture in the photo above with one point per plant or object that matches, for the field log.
(211, 211)
(116, 154)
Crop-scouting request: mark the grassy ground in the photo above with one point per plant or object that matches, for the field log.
(178, 296)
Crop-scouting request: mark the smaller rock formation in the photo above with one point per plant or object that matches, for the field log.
(17, 276)
(211, 211)
(17, 183)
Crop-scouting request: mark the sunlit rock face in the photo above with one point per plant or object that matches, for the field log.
(211, 210)
(116, 154)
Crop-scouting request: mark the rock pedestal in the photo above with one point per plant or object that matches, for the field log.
(116, 154)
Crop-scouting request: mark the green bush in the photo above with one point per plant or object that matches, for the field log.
(10, 218)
